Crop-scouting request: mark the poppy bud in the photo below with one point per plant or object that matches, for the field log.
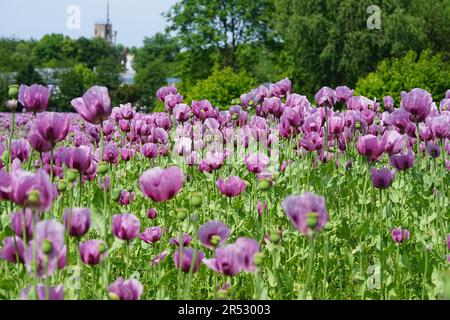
(13, 91)
(46, 246)
(102, 168)
(62, 185)
(247, 184)
(275, 236)
(264, 184)
(72, 175)
(377, 121)
(258, 258)
(196, 199)
(113, 296)
(129, 188)
(182, 214)
(102, 248)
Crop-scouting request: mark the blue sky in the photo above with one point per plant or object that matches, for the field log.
(133, 19)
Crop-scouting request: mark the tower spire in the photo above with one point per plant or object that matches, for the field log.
(107, 12)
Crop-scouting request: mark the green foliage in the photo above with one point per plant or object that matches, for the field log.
(221, 87)
(426, 71)
(336, 47)
(28, 75)
(124, 94)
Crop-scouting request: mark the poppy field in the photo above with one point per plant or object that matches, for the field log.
(277, 197)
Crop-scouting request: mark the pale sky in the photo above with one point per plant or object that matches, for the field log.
(133, 19)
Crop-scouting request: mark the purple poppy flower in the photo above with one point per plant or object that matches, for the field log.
(161, 184)
(151, 235)
(188, 257)
(121, 289)
(448, 242)
(126, 197)
(392, 141)
(326, 97)
(262, 207)
(20, 149)
(214, 159)
(34, 98)
(281, 88)
(433, 150)
(152, 213)
(79, 158)
(307, 212)
(171, 100)
(93, 252)
(400, 235)
(232, 186)
(213, 234)
(388, 102)
(440, 126)
(343, 93)
(248, 248)
(33, 190)
(227, 260)
(382, 178)
(335, 125)
(182, 112)
(125, 226)
(418, 103)
(53, 293)
(257, 162)
(403, 161)
(157, 259)
(8, 251)
(165, 91)
(176, 240)
(49, 243)
(370, 147)
(61, 262)
(21, 220)
(80, 221)
(38, 143)
(150, 150)
(202, 109)
(53, 127)
(111, 153)
(5, 185)
(94, 106)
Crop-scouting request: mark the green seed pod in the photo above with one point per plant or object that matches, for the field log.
(264, 184)
(182, 214)
(247, 184)
(215, 240)
(196, 199)
(13, 91)
(102, 167)
(46, 246)
(377, 121)
(235, 116)
(34, 197)
(275, 236)
(62, 185)
(357, 125)
(258, 258)
(130, 188)
(113, 296)
(102, 248)
(312, 219)
(72, 175)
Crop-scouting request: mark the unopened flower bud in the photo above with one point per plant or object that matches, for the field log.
(275, 236)
(182, 214)
(258, 258)
(62, 185)
(196, 199)
(130, 188)
(11, 104)
(113, 296)
(102, 167)
(264, 184)
(13, 91)
(102, 248)
(72, 175)
(115, 194)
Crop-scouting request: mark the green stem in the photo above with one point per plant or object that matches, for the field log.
(309, 266)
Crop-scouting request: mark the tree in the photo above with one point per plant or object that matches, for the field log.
(392, 76)
(107, 73)
(221, 87)
(148, 81)
(221, 25)
(73, 83)
(28, 75)
(328, 42)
